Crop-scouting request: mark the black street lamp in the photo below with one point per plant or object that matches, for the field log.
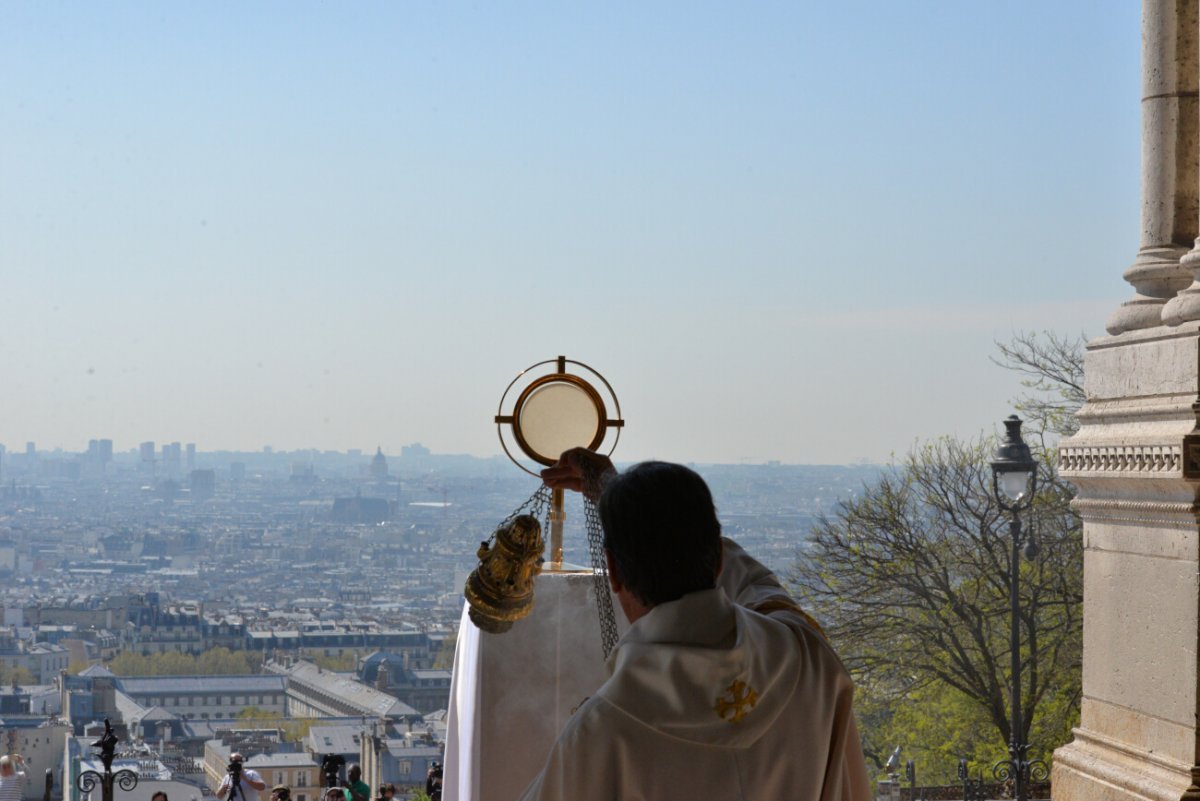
(1014, 481)
(127, 780)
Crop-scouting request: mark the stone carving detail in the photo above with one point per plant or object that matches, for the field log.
(1122, 459)
(1137, 507)
(1163, 513)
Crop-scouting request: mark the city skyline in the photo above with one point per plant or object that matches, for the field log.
(782, 232)
(104, 450)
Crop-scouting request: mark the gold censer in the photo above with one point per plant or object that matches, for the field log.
(500, 590)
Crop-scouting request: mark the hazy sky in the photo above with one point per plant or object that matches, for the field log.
(781, 230)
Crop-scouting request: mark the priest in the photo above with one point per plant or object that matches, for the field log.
(722, 687)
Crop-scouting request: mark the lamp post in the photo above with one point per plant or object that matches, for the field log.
(127, 780)
(1014, 481)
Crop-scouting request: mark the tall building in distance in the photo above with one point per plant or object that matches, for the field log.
(203, 484)
(100, 451)
(172, 457)
(146, 451)
(414, 451)
(190, 450)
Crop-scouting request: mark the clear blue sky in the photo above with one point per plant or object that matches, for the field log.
(782, 230)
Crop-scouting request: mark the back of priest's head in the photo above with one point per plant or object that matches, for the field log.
(661, 529)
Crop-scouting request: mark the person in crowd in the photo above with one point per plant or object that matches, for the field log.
(12, 777)
(249, 786)
(359, 790)
(433, 781)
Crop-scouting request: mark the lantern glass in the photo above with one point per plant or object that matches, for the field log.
(1014, 485)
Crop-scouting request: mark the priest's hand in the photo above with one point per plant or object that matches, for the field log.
(580, 470)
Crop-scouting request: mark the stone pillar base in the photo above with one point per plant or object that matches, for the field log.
(1158, 276)
(1135, 463)
(1094, 768)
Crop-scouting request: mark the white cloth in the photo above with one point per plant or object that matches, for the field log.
(245, 791)
(461, 773)
(708, 699)
(512, 693)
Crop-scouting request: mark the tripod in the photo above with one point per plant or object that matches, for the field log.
(236, 793)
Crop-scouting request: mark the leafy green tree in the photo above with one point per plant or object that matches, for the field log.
(222, 661)
(345, 661)
(1051, 367)
(296, 729)
(934, 726)
(256, 713)
(172, 663)
(911, 580)
(128, 663)
(254, 717)
(15, 674)
(214, 662)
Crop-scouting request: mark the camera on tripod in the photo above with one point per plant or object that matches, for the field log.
(331, 765)
(433, 783)
(234, 781)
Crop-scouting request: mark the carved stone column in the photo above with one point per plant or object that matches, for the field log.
(1136, 465)
(1170, 119)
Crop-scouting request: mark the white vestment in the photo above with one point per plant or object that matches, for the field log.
(708, 699)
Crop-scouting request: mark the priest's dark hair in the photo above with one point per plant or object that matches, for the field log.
(661, 528)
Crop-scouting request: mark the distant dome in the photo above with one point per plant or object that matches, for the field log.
(379, 467)
(371, 665)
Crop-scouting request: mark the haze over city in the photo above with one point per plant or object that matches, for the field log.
(782, 231)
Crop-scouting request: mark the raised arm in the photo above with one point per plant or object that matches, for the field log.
(749, 583)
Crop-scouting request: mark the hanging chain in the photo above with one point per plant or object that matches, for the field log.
(595, 538)
(538, 506)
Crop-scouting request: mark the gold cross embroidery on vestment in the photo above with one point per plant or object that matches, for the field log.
(737, 700)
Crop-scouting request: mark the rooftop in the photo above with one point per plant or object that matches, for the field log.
(334, 739)
(281, 760)
(352, 692)
(254, 683)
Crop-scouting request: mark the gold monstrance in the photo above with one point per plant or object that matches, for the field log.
(555, 411)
